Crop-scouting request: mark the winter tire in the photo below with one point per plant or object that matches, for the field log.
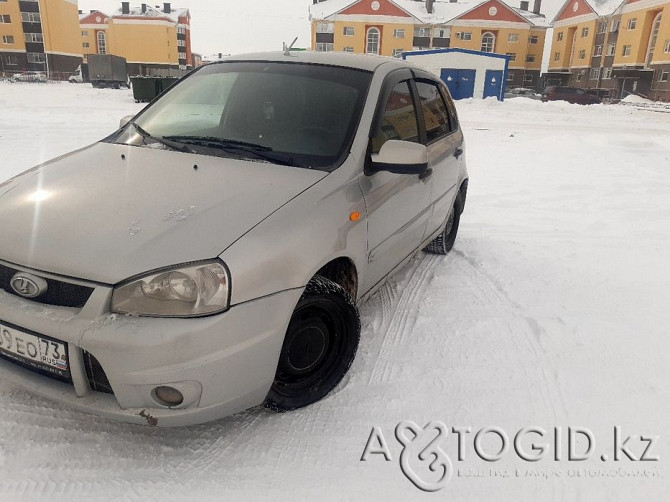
(319, 347)
(443, 243)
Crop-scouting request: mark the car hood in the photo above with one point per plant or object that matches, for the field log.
(109, 212)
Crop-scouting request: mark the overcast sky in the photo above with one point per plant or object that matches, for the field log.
(236, 26)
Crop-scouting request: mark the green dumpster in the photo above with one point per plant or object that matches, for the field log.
(145, 88)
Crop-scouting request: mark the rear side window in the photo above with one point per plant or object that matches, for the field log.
(400, 118)
(451, 108)
(435, 114)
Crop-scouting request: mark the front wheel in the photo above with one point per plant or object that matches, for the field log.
(320, 345)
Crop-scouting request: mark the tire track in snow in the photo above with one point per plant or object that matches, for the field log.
(530, 328)
(403, 314)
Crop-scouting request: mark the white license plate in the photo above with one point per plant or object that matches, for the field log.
(34, 351)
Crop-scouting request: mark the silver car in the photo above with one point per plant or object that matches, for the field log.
(209, 256)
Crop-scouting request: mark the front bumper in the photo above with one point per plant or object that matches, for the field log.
(222, 364)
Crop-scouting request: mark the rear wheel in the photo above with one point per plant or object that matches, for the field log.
(443, 243)
(319, 347)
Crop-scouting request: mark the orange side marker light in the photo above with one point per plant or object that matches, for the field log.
(355, 216)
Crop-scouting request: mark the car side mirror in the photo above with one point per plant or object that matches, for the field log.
(400, 157)
(125, 121)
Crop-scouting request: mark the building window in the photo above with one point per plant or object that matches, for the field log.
(36, 57)
(579, 77)
(582, 54)
(422, 32)
(11, 60)
(598, 51)
(325, 28)
(663, 77)
(532, 39)
(528, 78)
(559, 37)
(615, 25)
(512, 56)
(181, 30)
(585, 32)
(611, 49)
(348, 49)
(8, 39)
(632, 23)
(626, 50)
(666, 47)
(655, 28)
(85, 45)
(30, 17)
(510, 76)
(557, 56)
(399, 33)
(464, 35)
(530, 58)
(602, 27)
(4, 18)
(607, 73)
(348, 31)
(324, 47)
(34, 38)
(441, 33)
(84, 33)
(397, 53)
(488, 42)
(181, 43)
(513, 38)
(594, 74)
(102, 43)
(372, 41)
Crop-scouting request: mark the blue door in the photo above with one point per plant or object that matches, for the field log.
(461, 83)
(493, 84)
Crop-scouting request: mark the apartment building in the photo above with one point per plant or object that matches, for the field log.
(613, 44)
(148, 37)
(39, 35)
(390, 27)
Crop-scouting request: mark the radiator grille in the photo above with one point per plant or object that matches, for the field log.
(59, 293)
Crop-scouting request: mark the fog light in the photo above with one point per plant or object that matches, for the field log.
(168, 396)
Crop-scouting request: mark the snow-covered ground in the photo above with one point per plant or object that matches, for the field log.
(551, 311)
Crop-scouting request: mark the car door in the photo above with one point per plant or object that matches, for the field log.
(444, 140)
(398, 205)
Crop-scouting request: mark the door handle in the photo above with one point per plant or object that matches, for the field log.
(458, 152)
(426, 174)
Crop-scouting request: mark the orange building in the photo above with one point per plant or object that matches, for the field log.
(145, 36)
(623, 45)
(39, 35)
(390, 27)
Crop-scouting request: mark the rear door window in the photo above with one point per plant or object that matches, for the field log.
(435, 114)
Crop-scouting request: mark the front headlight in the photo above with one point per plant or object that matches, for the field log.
(185, 291)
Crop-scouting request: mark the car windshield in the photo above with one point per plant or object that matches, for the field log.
(287, 113)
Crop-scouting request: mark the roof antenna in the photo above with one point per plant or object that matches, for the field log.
(287, 48)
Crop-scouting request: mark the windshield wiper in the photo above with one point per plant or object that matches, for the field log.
(180, 147)
(259, 151)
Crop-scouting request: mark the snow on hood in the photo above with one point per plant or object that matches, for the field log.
(96, 216)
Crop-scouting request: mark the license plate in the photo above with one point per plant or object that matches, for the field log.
(34, 351)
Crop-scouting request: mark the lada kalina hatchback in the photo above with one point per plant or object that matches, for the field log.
(209, 255)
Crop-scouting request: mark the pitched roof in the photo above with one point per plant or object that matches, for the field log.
(173, 15)
(443, 11)
(599, 7)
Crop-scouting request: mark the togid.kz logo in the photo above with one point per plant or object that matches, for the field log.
(425, 463)
(422, 460)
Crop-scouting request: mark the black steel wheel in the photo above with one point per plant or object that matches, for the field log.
(319, 347)
(443, 243)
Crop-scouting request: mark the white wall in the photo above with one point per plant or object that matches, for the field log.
(436, 61)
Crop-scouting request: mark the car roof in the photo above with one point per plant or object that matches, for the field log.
(365, 62)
